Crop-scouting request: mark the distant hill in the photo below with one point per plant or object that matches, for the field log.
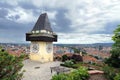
(82, 45)
(104, 44)
(87, 45)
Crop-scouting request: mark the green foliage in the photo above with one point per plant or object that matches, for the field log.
(117, 77)
(100, 47)
(58, 58)
(69, 63)
(10, 66)
(60, 77)
(79, 74)
(114, 60)
(76, 50)
(77, 58)
(77, 65)
(0, 48)
(109, 72)
(64, 58)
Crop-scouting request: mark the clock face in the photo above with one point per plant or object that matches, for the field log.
(34, 47)
(49, 47)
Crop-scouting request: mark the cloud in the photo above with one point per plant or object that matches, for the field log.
(61, 23)
(10, 2)
(52, 14)
(20, 15)
(3, 13)
(94, 16)
(79, 38)
(83, 21)
(85, 16)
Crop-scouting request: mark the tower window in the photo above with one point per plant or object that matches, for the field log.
(37, 31)
(33, 31)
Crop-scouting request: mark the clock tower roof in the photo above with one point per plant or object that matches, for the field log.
(42, 23)
(42, 30)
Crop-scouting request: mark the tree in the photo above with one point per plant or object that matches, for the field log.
(76, 50)
(77, 58)
(114, 59)
(117, 77)
(78, 74)
(100, 48)
(64, 57)
(10, 66)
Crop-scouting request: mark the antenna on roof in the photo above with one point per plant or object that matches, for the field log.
(42, 7)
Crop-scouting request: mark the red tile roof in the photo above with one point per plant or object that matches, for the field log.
(88, 58)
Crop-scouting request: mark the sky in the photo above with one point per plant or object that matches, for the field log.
(75, 21)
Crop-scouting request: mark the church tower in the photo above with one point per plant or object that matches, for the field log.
(42, 38)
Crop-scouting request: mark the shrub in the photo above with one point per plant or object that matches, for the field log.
(109, 72)
(58, 58)
(77, 65)
(68, 63)
(114, 59)
(77, 58)
(71, 64)
(117, 77)
(60, 77)
(79, 74)
(10, 66)
(83, 72)
(64, 58)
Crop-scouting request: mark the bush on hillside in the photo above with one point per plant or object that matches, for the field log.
(117, 77)
(114, 59)
(77, 58)
(60, 77)
(10, 66)
(109, 72)
(78, 74)
(64, 58)
(58, 58)
(68, 63)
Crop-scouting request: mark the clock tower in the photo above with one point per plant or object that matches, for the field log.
(42, 38)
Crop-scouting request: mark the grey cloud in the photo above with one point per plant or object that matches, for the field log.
(14, 17)
(63, 24)
(17, 17)
(26, 5)
(3, 13)
(110, 27)
(13, 31)
(16, 31)
(14, 26)
(6, 5)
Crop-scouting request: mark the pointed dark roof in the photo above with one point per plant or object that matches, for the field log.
(42, 23)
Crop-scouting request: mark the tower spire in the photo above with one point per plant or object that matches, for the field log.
(42, 23)
(42, 7)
